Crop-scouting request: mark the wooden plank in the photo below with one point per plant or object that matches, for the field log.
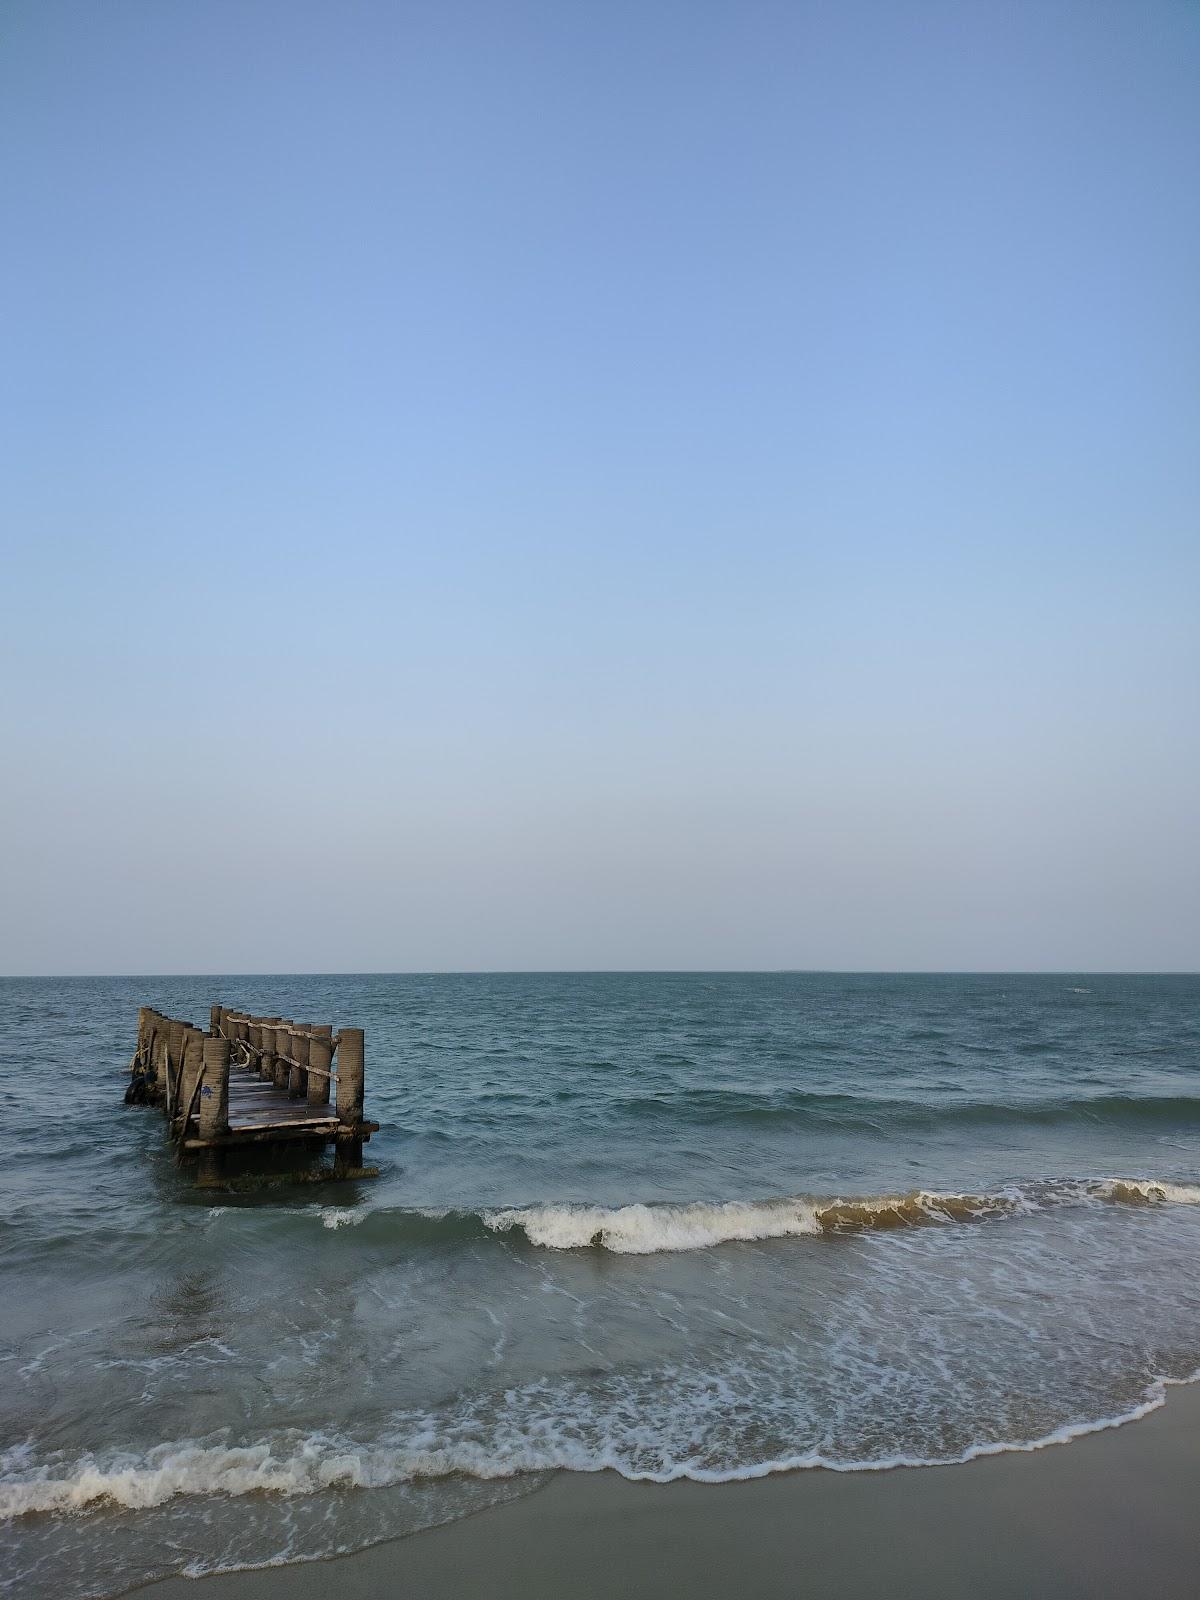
(266, 1135)
(276, 1119)
(290, 1124)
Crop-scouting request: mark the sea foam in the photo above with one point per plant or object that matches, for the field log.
(531, 1438)
(640, 1229)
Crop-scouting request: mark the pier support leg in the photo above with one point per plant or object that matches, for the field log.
(209, 1169)
(349, 1154)
(350, 1077)
(213, 1119)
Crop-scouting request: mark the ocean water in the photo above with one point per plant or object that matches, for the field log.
(695, 1225)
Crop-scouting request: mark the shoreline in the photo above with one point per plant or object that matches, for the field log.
(1091, 1518)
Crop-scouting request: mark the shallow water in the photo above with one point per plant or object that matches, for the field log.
(704, 1225)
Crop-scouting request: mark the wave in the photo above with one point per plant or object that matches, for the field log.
(648, 1229)
(307, 1464)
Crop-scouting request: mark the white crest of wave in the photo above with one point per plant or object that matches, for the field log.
(188, 1467)
(643, 1230)
(341, 1217)
(640, 1229)
(1154, 1191)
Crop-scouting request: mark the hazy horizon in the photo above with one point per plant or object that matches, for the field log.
(545, 488)
(636, 972)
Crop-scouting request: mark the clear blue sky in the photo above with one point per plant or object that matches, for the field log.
(579, 485)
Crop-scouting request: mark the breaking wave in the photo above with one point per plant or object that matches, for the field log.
(647, 1229)
(537, 1432)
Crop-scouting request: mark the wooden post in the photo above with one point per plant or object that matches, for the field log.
(148, 1052)
(283, 1038)
(214, 1095)
(214, 1020)
(298, 1078)
(158, 1055)
(320, 1054)
(255, 1047)
(175, 1033)
(350, 1074)
(266, 1062)
(193, 1065)
(350, 1077)
(175, 1082)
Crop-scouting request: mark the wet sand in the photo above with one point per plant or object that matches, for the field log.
(1111, 1514)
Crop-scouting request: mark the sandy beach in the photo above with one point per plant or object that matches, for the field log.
(1111, 1514)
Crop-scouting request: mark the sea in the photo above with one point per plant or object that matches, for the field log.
(673, 1225)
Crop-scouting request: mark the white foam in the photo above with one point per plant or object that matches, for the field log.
(188, 1467)
(532, 1440)
(1154, 1190)
(341, 1217)
(640, 1229)
(643, 1230)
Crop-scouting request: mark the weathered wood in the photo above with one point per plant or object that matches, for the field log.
(267, 1133)
(298, 1073)
(266, 1061)
(282, 1041)
(282, 1133)
(175, 1031)
(350, 1074)
(214, 1092)
(193, 1067)
(252, 1082)
(320, 1057)
(158, 1058)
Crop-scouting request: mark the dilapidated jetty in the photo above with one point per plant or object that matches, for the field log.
(254, 1085)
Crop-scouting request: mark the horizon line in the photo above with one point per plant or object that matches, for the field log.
(559, 972)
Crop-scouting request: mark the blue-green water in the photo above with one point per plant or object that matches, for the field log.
(698, 1224)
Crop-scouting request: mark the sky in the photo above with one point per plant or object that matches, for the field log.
(641, 485)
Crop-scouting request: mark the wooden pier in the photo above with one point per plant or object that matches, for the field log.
(254, 1085)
